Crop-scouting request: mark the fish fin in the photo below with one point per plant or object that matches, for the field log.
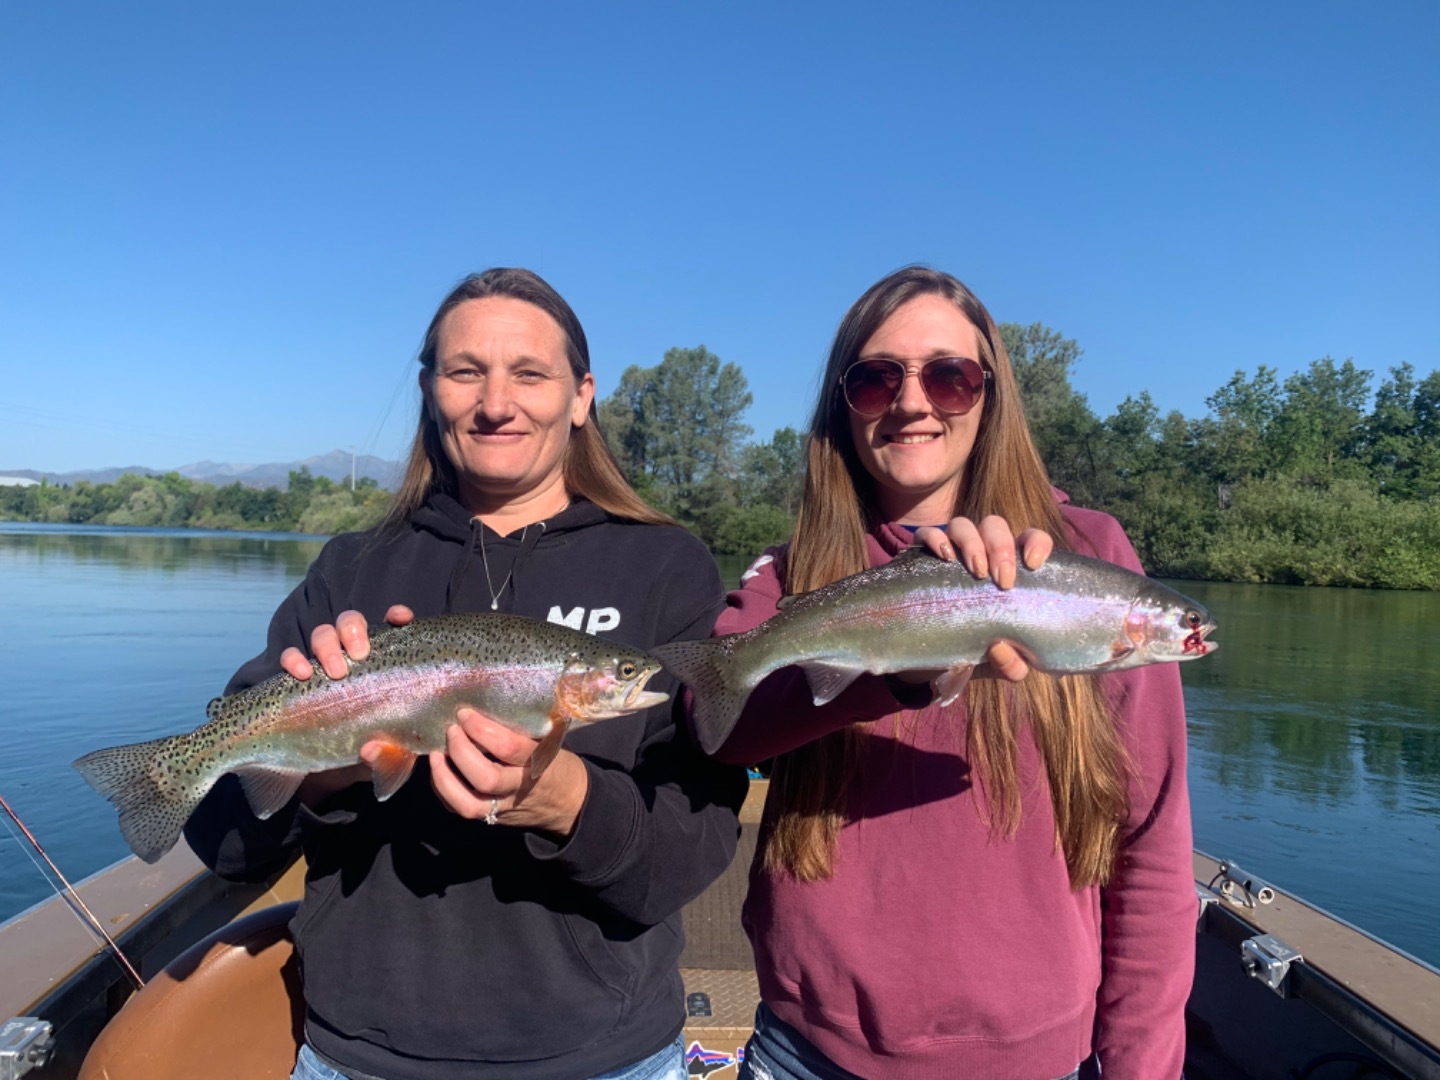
(152, 813)
(392, 767)
(828, 680)
(548, 747)
(268, 788)
(1120, 649)
(713, 673)
(951, 683)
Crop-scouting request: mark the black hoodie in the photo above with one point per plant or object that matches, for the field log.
(434, 947)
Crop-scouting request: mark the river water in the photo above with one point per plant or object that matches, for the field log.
(1314, 730)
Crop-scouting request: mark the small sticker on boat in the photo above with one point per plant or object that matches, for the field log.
(702, 1062)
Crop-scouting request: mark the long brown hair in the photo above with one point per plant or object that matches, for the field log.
(590, 469)
(1068, 717)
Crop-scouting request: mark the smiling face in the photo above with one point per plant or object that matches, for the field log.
(504, 400)
(915, 453)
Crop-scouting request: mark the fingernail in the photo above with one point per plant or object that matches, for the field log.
(982, 568)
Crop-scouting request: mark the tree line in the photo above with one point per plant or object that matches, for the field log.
(311, 504)
(1314, 480)
(1317, 479)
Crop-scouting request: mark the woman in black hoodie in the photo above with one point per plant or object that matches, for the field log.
(478, 924)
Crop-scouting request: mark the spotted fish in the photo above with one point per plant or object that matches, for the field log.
(532, 676)
(918, 612)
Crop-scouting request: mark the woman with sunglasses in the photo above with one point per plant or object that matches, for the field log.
(999, 888)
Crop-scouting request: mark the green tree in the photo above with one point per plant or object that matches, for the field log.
(677, 430)
(1318, 427)
(1238, 441)
(1399, 438)
(621, 420)
(690, 417)
(773, 473)
(1042, 359)
(749, 530)
(1067, 434)
(1133, 433)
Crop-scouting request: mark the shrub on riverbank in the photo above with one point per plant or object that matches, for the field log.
(1281, 532)
(310, 504)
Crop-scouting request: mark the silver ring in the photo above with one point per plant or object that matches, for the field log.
(490, 818)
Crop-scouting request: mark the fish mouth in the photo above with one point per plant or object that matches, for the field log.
(1196, 645)
(639, 699)
(635, 697)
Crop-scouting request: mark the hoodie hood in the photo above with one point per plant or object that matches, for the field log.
(445, 518)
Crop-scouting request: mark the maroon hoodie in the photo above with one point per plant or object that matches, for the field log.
(938, 950)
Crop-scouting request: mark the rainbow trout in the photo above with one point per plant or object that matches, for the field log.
(532, 676)
(919, 612)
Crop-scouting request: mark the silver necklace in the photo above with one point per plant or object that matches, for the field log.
(496, 594)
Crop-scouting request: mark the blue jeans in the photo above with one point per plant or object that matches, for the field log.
(668, 1064)
(778, 1052)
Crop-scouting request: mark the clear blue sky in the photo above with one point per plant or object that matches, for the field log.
(223, 228)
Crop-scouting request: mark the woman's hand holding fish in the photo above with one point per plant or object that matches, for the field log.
(348, 636)
(486, 768)
(331, 644)
(987, 550)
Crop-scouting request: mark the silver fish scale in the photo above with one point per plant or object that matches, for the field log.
(413, 674)
(513, 641)
(919, 611)
(404, 693)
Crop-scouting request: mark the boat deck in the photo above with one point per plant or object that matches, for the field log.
(1351, 995)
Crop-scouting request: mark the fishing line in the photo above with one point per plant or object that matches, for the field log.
(71, 896)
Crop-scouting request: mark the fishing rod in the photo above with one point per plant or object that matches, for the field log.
(74, 896)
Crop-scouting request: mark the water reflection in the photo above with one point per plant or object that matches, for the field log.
(172, 550)
(1320, 693)
(1315, 749)
(115, 636)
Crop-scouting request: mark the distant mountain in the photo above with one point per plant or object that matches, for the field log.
(95, 476)
(335, 465)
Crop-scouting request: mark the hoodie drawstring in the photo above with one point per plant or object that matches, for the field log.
(457, 574)
(462, 562)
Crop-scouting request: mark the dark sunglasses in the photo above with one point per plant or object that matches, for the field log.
(953, 384)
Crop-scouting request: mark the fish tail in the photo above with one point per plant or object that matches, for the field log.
(153, 795)
(721, 686)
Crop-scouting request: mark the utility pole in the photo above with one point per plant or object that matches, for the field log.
(352, 470)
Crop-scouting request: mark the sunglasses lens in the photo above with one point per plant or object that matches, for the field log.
(953, 384)
(871, 386)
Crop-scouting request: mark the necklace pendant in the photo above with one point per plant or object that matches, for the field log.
(494, 605)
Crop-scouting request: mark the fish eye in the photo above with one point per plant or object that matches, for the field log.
(1192, 618)
(627, 669)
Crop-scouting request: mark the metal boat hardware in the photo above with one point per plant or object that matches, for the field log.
(1207, 897)
(1243, 888)
(1268, 959)
(26, 1043)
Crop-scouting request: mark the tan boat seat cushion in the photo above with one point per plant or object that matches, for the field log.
(228, 1007)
